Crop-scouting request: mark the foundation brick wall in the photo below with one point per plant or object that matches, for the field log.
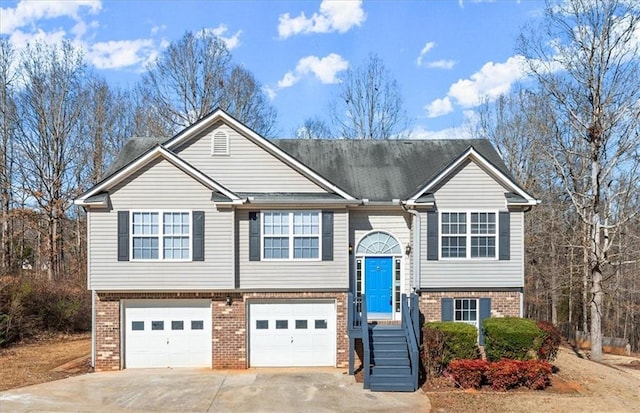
(503, 303)
(229, 334)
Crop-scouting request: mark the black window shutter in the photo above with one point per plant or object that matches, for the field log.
(123, 235)
(254, 236)
(485, 312)
(432, 235)
(198, 235)
(447, 309)
(504, 232)
(327, 236)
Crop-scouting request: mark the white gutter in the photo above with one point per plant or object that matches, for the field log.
(416, 246)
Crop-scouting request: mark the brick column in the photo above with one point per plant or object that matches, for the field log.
(229, 334)
(107, 334)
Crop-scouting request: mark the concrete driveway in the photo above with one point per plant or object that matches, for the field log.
(193, 390)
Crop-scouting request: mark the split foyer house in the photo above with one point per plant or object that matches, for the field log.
(220, 248)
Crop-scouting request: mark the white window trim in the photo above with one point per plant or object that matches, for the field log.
(468, 235)
(477, 322)
(226, 137)
(291, 235)
(160, 235)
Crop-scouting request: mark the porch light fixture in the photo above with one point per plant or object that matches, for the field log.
(229, 302)
(350, 249)
(407, 249)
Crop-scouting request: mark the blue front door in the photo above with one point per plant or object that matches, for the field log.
(378, 274)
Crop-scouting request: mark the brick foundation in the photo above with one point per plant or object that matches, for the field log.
(229, 334)
(503, 303)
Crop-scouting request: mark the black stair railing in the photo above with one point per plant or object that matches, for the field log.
(366, 363)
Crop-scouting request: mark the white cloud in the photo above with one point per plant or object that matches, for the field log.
(19, 39)
(27, 12)
(439, 107)
(231, 42)
(157, 29)
(428, 46)
(288, 80)
(334, 16)
(441, 64)
(324, 69)
(122, 53)
(457, 132)
(270, 92)
(491, 81)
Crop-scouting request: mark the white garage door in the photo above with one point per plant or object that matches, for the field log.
(168, 333)
(292, 334)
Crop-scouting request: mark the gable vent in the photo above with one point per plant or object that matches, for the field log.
(220, 143)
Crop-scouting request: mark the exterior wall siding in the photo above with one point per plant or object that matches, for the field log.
(229, 324)
(473, 189)
(294, 275)
(503, 303)
(247, 168)
(395, 222)
(161, 186)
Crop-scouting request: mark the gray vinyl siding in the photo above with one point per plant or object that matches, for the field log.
(294, 275)
(396, 223)
(247, 168)
(161, 186)
(473, 189)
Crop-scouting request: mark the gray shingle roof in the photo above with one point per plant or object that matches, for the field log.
(371, 169)
(131, 150)
(383, 170)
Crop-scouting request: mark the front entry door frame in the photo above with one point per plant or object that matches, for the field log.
(389, 254)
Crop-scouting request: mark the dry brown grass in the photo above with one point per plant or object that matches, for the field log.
(33, 362)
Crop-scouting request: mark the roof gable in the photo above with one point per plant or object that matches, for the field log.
(156, 152)
(219, 115)
(497, 172)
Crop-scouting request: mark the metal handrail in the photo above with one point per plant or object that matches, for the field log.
(410, 333)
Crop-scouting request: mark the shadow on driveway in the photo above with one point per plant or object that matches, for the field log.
(196, 390)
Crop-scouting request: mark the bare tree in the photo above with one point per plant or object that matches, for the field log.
(369, 104)
(50, 108)
(586, 58)
(8, 77)
(195, 75)
(314, 128)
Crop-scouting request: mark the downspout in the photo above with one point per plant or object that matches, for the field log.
(416, 246)
(93, 328)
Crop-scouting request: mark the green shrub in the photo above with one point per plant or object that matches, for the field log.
(446, 341)
(511, 338)
(548, 350)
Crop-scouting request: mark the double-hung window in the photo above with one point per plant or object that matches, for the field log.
(161, 235)
(291, 235)
(468, 234)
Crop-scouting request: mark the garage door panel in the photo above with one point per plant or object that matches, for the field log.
(292, 334)
(168, 333)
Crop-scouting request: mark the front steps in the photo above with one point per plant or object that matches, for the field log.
(390, 362)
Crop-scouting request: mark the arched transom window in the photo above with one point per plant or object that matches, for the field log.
(379, 243)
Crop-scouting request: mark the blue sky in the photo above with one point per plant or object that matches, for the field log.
(447, 55)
